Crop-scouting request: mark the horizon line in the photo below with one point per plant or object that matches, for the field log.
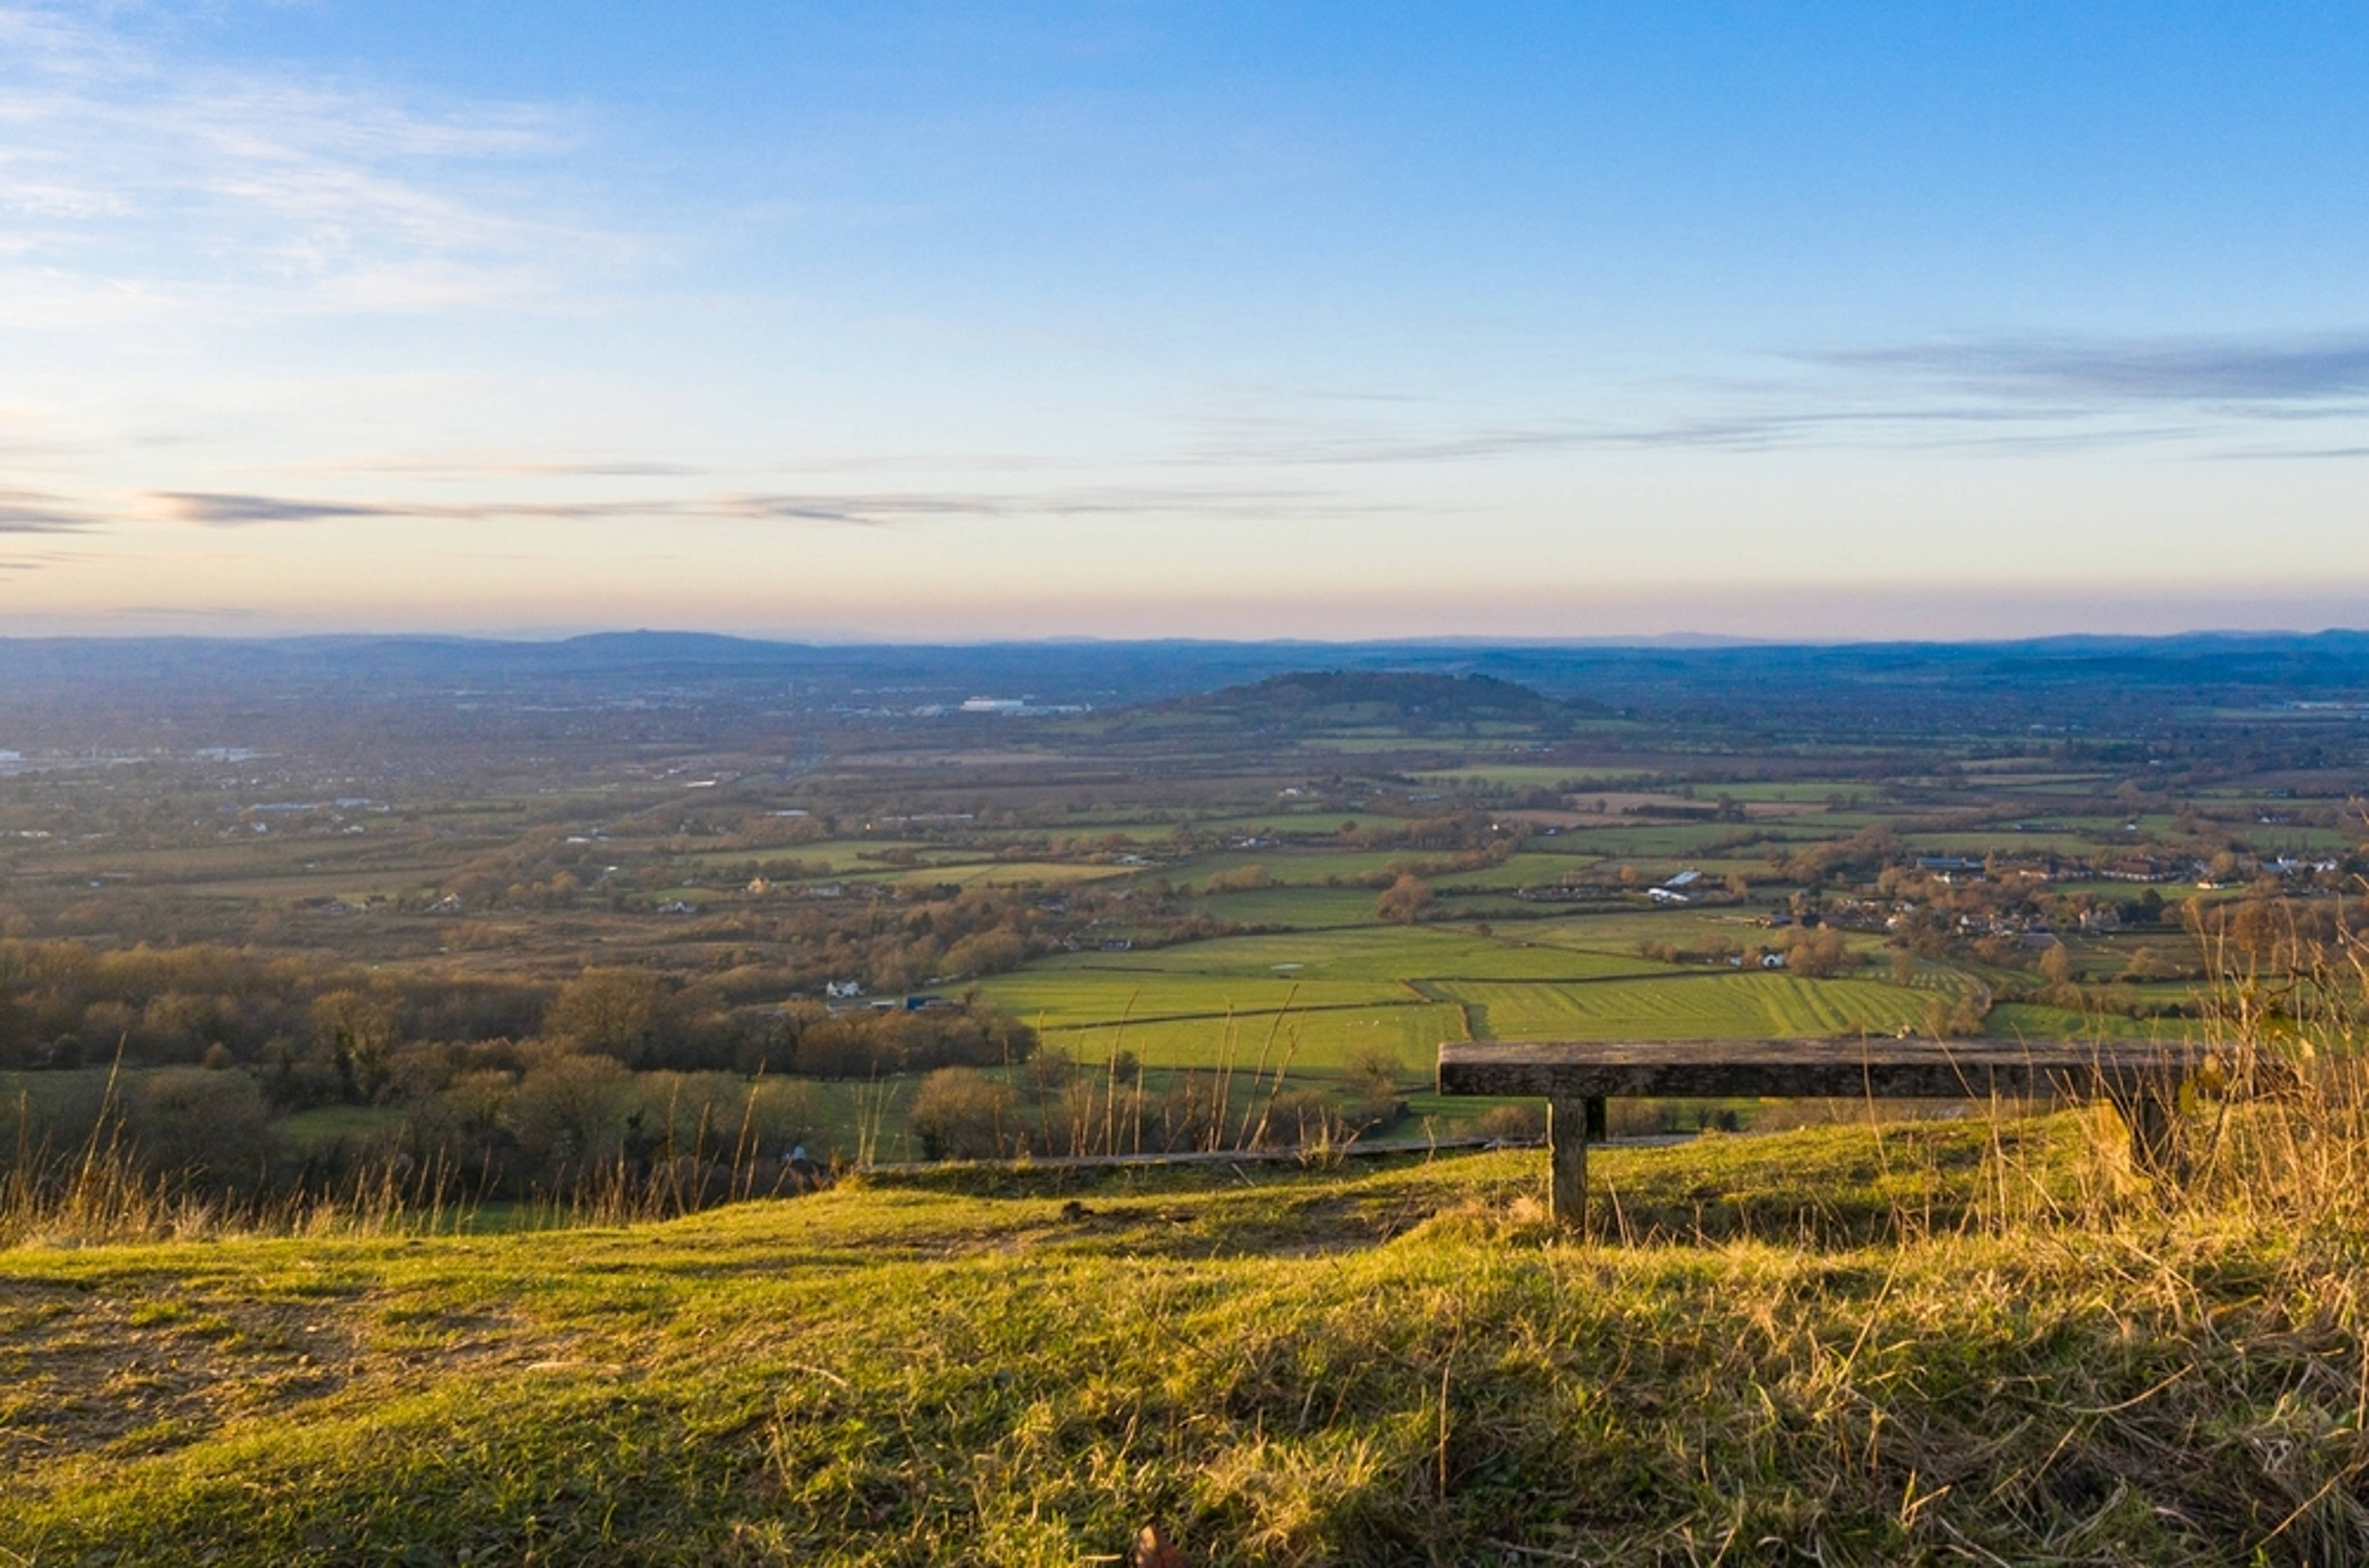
(1676, 641)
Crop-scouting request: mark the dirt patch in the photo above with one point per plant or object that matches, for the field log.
(85, 1370)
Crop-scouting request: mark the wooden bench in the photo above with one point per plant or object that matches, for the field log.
(1576, 1077)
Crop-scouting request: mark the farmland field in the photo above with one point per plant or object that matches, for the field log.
(1059, 998)
(1372, 952)
(1706, 1004)
(1086, 876)
(1305, 1041)
(1005, 873)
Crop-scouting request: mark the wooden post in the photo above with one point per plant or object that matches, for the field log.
(1595, 1119)
(1567, 1127)
(2149, 1121)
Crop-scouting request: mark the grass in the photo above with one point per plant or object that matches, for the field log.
(1310, 1042)
(1294, 906)
(1056, 998)
(1614, 836)
(2023, 1020)
(1324, 995)
(1296, 867)
(1704, 1004)
(328, 1124)
(1927, 1344)
(1376, 953)
(1620, 930)
(1405, 989)
(1007, 873)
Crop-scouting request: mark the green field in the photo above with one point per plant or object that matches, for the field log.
(1408, 988)
(1296, 867)
(1314, 907)
(1370, 952)
(1052, 998)
(1708, 1005)
(1619, 931)
(1006, 873)
(840, 856)
(1322, 994)
(1619, 838)
(2017, 1020)
(1312, 1044)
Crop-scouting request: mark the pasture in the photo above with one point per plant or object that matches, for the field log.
(1305, 1043)
(1706, 1004)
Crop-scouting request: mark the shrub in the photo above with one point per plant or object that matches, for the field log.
(1405, 901)
(841, 1047)
(717, 1115)
(1514, 1123)
(570, 1111)
(1815, 952)
(208, 1126)
(960, 1114)
(1372, 1075)
(625, 1014)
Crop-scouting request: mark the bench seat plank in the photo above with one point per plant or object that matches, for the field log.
(1777, 1068)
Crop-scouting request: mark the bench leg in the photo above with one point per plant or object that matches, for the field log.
(1570, 1125)
(2149, 1121)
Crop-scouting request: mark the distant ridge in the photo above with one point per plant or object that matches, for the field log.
(1359, 695)
(2065, 683)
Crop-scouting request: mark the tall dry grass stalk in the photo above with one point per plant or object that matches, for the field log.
(102, 1195)
(101, 1191)
(2250, 1245)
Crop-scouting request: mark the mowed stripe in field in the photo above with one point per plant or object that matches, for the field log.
(1696, 1006)
(1053, 1000)
(1306, 1041)
(1389, 954)
(1071, 997)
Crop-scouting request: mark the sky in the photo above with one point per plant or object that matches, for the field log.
(933, 322)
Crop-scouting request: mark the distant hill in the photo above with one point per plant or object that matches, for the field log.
(1325, 699)
(126, 691)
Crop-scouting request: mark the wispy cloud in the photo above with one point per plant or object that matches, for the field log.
(216, 511)
(1105, 501)
(2308, 454)
(2196, 395)
(272, 194)
(860, 510)
(186, 612)
(595, 468)
(37, 511)
(1759, 428)
(2235, 371)
(466, 467)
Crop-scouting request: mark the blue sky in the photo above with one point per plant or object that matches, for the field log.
(1121, 319)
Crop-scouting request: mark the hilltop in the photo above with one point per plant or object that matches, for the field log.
(1412, 703)
(1835, 1344)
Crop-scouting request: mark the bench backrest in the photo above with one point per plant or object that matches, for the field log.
(1883, 1069)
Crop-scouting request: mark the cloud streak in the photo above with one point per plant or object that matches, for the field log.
(1743, 431)
(2236, 371)
(270, 195)
(861, 510)
(37, 511)
(2007, 393)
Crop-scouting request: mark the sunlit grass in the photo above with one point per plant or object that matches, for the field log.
(1981, 1341)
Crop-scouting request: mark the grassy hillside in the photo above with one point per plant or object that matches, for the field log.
(1936, 1343)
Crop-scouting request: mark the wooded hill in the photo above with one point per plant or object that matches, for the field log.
(1410, 702)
